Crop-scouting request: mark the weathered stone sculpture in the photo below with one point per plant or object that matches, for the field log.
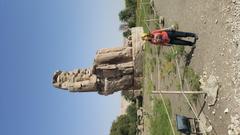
(81, 79)
(113, 70)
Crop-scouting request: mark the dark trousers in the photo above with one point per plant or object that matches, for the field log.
(174, 38)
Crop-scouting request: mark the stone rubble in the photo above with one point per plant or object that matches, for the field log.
(211, 87)
(234, 62)
(235, 27)
(234, 127)
(226, 110)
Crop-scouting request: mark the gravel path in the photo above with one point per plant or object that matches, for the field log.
(217, 22)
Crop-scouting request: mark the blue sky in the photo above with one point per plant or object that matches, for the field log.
(38, 37)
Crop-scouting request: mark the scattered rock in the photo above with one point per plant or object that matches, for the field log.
(214, 112)
(210, 86)
(209, 129)
(216, 21)
(230, 132)
(234, 127)
(229, 20)
(204, 73)
(226, 110)
(228, 8)
(236, 44)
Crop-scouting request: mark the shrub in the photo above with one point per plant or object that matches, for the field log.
(125, 124)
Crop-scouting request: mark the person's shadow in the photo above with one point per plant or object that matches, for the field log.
(189, 56)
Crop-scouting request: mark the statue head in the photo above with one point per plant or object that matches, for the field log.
(59, 77)
(80, 80)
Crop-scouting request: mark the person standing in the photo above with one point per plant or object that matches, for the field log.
(166, 37)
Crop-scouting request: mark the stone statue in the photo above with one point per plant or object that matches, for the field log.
(113, 70)
(81, 79)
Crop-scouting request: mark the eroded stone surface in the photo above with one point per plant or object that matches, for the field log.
(210, 86)
(114, 69)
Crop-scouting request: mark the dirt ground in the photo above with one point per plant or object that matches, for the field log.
(217, 24)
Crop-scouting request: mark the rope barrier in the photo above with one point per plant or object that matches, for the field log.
(180, 78)
(163, 100)
(164, 103)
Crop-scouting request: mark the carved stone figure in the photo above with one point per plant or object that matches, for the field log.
(81, 79)
(114, 69)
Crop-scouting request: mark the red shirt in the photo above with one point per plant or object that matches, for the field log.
(159, 37)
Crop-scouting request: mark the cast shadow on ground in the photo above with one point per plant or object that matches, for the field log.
(189, 56)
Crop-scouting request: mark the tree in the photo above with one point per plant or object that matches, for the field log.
(120, 126)
(123, 27)
(127, 33)
(128, 16)
(125, 15)
(125, 124)
(131, 3)
(128, 95)
(132, 113)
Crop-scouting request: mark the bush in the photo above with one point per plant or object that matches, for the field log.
(131, 3)
(128, 15)
(125, 15)
(132, 113)
(120, 126)
(127, 33)
(125, 124)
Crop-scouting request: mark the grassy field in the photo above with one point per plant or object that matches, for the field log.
(157, 121)
(143, 12)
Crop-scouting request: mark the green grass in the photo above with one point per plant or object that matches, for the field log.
(148, 48)
(156, 23)
(149, 66)
(149, 87)
(194, 97)
(192, 78)
(158, 49)
(178, 85)
(179, 50)
(167, 68)
(143, 12)
(169, 56)
(159, 122)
